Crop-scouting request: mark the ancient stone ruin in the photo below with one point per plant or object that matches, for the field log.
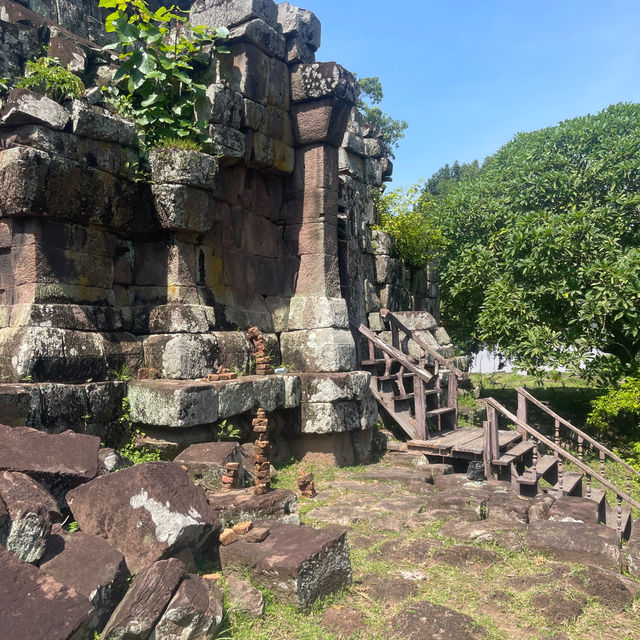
(219, 294)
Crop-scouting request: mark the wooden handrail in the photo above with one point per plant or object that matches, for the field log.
(396, 354)
(385, 313)
(582, 434)
(560, 451)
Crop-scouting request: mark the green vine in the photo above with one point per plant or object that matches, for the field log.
(130, 450)
(156, 84)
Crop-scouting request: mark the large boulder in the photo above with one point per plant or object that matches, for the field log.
(35, 605)
(146, 600)
(60, 462)
(91, 566)
(147, 512)
(29, 512)
(299, 564)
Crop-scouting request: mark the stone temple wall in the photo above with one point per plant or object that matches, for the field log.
(100, 271)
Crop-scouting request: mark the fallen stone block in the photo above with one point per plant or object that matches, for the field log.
(147, 512)
(30, 511)
(509, 535)
(411, 480)
(91, 566)
(240, 505)
(27, 107)
(632, 551)
(505, 506)
(576, 542)
(59, 462)
(205, 462)
(35, 605)
(244, 597)
(299, 564)
(194, 613)
(143, 605)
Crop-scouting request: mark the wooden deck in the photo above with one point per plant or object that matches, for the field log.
(460, 443)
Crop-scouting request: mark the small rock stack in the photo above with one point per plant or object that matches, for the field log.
(261, 451)
(306, 485)
(229, 479)
(262, 358)
(222, 374)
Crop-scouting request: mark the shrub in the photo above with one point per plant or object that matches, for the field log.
(45, 75)
(616, 414)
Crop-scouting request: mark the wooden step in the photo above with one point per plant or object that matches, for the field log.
(439, 412)
(545, 465)
(372, 363)
(571, 484)
(612, 520)
(515, 453)
(406, 396)
(393, 377)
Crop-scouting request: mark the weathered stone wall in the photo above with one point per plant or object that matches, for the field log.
(101, 271)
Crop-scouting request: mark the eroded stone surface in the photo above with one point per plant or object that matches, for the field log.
(146, 512)
(206, 462)
(427, 621)
(299, 564)
(245, 597)
(241, 505)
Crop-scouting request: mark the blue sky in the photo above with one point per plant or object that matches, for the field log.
(468, 75)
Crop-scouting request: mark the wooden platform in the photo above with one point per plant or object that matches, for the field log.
(460, 443)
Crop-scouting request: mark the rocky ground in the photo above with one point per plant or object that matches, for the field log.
(425, 566)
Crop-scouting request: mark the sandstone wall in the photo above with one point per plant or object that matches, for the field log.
(100, 270)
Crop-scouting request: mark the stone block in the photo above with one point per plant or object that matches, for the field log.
(311, 237)
(317, 312)
(632, 551)
(317, 205)
(29, 512)
(99, 124)
(373, 147)
(335, 417)
(228, 144)
(382, 243)
(299, 51)
(260, 34)
(35, 605)
(351, 164)
(279, 309)
(183, 166)
(143, 605)
(27, 107)
(70, 55)
(252, 115)
(206, 462)
(574, 509)
(320, 120)
(442, 337)
(222, 105)
(195, 611)
(182, 208)
(147, 512)
(18, 42)
(318, 276)
(175, 318)
(353, 144)
(217, 13)
(181, 356)
(319, 350)
(301, 23)
(576, 542)
(331, 387)
(269, 392)
(299, 564)
(240, 505)
(321, 80)
(20, 405)
(91, 566)
(292, 391)
(264, 152)
(172, 404)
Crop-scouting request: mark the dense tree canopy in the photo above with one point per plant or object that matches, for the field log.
(543, 246)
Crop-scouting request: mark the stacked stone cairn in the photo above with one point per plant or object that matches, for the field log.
(262, 358)
(230, 478)
(306, 484)
(261, 451)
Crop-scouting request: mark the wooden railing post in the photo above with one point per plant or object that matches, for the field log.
(452, 399)
(491, 452)
(421, 409)
(522, 414)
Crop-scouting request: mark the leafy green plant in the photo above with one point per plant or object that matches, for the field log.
(392, 130)
(5, 84)
(122, 374)
(156, 83)
(130, 450)
(71, 526)
(179, 143)
(402, 214)
(47, 76)
(616, 414)
(227, 431)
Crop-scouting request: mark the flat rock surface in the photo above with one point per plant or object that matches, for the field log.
(299, 563)
(244, 597)
(577, 542)
(241, 505)
(91, 566)
(427, 621)
(36, 605)
(146, 512)
(206, 462)
(143, 605)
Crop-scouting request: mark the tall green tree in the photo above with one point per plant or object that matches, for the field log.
(543, 247)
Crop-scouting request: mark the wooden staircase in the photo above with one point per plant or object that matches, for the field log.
(410, 388)
(537, 458)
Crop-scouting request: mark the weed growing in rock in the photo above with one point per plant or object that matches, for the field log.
(156, 83)
(47, 76)
(130, 450)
